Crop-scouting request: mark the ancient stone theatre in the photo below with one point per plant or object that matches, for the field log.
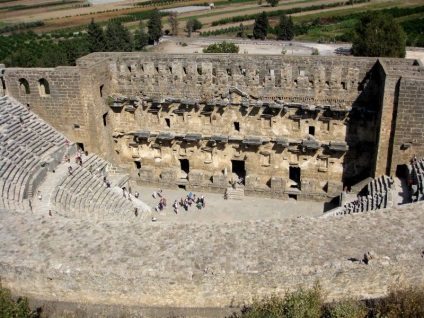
(299, 127)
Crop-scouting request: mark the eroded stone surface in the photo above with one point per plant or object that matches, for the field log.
(209, 264)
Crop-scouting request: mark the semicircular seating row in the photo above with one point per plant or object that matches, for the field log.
(84, 194)
(378, 196)
(26, 142)
(28, 146)
(416, 175)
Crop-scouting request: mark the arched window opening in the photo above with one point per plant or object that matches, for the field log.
(44, 87)
(101, 90)
(24, 86)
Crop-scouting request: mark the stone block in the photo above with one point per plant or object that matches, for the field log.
(309, 185)
(196, 177)
(169, 174)
(252, 181)
(146, 173)
(220, 180)
(278, 183)
(334, 188)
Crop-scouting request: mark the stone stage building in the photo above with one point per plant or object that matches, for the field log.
(300, 127)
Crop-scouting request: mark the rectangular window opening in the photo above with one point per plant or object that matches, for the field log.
(137, 164)
(168, 122)
(237, 126)
(312, 130)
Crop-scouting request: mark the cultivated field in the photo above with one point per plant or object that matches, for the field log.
(67, 15)
(60, 15)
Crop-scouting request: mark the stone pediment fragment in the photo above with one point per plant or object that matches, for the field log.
(165, 136)
(219, 138)
(282, 142)
(338, 146)
(310, 144)
(193, 137)
(252, 140)
(142, 134)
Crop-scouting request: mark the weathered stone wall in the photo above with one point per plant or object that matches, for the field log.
(209, 265)
(95, 87)
(315, 80)
(409, 132)
(388, 104)
(292, 99)
(62, 107)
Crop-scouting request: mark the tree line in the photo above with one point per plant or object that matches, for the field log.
(29, 50)
(375, 34)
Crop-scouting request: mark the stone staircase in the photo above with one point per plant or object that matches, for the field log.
(234, 194)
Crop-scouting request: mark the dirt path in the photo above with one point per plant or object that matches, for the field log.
(196, 45)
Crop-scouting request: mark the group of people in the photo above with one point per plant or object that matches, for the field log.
(162, 202)
(189, 201)
(185, 203)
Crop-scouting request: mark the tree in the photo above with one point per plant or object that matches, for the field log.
(173, 21)
(118, 38)
(223, 47)
(285, 28)
(141, 38)
(242, 32)
(193, 25)
(378, 34)
(96, 38)
(73, 49)
(272, 3)
(154, 26)
(260, 28)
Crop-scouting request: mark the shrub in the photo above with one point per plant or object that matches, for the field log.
(9, 307)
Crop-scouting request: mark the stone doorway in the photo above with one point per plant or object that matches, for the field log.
(238, 171)
(294, 175)
(185, 168)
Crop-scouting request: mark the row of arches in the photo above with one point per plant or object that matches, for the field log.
(43, 86)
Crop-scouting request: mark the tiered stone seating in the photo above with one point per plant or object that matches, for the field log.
(85, 195)
(26, 141)
(417, 177)
(378, 196)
